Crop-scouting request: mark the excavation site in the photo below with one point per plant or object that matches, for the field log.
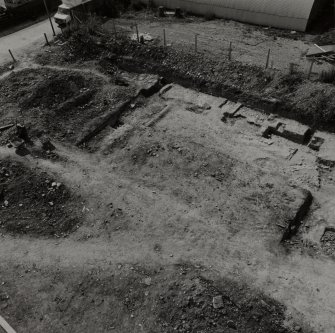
(149, 187)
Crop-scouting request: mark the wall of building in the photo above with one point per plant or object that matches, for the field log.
(287, 14)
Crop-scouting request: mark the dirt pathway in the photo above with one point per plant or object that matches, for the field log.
(92, 175)
(24, 41)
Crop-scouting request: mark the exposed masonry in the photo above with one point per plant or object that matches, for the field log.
(292, 131)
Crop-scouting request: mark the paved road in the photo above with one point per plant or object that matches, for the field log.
(24, 40)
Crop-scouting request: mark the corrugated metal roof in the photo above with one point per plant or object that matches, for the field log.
(289, 14)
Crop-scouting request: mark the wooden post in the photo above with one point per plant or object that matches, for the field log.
(137, 34)
(11, 54)
(164, 37)
(114, 27)
(310, 69)
(267, 60)
(230, 50)
(46, 39)
(196, 42)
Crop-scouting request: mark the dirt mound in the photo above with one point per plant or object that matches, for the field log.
(131, 298)
(55, 89)
(57, 103)
(34, 203)
(197, 304)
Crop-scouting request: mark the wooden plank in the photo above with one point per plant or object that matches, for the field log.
(6, 326)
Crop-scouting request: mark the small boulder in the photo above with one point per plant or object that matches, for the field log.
(217, 302)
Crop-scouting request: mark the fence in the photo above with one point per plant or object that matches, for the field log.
(209, 45)
(220, 46)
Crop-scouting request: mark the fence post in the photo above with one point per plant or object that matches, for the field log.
(137, 34)
(230, 50)
(46, 39)
(11, 54)
(267, 59)
(196, 42)
(310, 69)
(164, 37)
(114, 27)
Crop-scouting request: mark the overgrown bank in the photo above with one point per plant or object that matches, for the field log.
(290, 95)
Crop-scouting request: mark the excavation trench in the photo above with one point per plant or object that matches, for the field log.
(233, 93)
(112, 119)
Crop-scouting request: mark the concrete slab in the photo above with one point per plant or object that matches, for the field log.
(230, 109)
(148, 84)
(252, 116)
(176, 92)
(294, 131)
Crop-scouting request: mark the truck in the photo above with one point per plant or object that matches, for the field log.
(71, 10)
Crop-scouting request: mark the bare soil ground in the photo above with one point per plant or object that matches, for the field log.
(180, 214)
(290, 95)
(134, 298)
(250, 44)
(34, 203)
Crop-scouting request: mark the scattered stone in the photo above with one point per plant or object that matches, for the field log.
(6, 203)
(217, 302)
(22, 132)
(147, 281)
(231, 324)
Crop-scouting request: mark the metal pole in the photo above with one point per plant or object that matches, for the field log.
(267, 60)
(47, 10)
(11, 54)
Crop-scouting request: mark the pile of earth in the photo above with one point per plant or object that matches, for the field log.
(57, 103)
(32, 202)
(131, 298)
(197, 304)
(54, 89)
